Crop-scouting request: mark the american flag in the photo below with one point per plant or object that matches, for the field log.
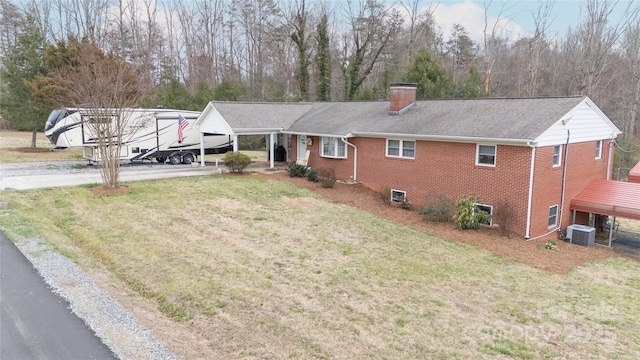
(182, 124)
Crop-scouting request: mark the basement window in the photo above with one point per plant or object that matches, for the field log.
(553, 215)
(487, 209)
(486, 155)
(398, 196)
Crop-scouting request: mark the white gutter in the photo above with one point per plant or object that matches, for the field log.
(355, 158)
(349, 135)
(465, 139)
(530, 196)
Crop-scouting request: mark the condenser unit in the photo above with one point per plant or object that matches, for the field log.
(581, 234)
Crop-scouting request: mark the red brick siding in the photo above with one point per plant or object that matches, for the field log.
(582, 169)
(443, 167)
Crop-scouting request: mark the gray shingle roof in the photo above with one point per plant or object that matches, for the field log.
(482, 118)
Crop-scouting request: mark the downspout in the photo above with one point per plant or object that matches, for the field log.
(355, 158)
(564, 178)
(609, 170)
(529, 200)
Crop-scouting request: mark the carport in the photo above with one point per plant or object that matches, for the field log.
(610, 198)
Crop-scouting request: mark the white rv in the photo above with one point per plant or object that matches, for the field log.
(150, 134)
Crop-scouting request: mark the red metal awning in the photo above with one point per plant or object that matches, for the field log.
(634, 174)
(609, 197)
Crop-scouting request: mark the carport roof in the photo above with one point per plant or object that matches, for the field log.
(609, 197)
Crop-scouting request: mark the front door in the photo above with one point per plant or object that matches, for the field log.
(302, 145)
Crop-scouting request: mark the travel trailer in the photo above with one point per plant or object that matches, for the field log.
(160, 134)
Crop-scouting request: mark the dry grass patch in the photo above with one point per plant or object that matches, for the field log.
(15, 147)
(253, 268)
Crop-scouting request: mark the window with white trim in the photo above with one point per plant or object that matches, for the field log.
(401, 148)
(333, 147)
(487, 209)
(486, 155)
(598, 149)
(398, 196)
(557, 156)
(553, 215)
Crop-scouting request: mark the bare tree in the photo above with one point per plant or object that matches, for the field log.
(631, 46)
(493, 35)
(596, 39)
(105, 89)
(372, 27)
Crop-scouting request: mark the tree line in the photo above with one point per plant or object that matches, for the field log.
(185, 53)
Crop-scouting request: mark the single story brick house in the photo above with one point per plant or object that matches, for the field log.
(534, 153)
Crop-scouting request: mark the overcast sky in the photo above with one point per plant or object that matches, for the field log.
(470, 14)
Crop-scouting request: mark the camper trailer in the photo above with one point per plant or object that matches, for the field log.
(160, 134)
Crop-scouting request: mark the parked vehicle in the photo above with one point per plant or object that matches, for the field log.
(160, 134)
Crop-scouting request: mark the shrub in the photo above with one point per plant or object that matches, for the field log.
(296, 170)
(384, 195)
(236, 161)
(403, 203)
(468, 215)
(550, 245)
(327, 177)
(504, 215)
(437, 207)
(312, 175)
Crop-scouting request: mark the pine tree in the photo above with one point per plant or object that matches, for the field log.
(24, 62)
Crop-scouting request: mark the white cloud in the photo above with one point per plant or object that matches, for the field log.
(471, 15)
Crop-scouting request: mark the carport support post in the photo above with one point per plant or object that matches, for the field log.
(611, 227)
(271, 152)
(235, 142)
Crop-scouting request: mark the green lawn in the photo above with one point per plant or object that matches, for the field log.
(264, 269)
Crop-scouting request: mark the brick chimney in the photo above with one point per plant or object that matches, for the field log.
(402, 97)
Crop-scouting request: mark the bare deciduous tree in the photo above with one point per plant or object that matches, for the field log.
(105, 89)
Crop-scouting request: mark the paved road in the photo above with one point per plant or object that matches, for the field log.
(34, 322)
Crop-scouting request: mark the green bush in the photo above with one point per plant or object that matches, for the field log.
(437, 207)
(236, 161)
(312, 175)
(468, 215)
(403, 203)
(296, 170)
(327, 177)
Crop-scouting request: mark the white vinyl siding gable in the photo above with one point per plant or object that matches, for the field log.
(584, 123)
(401, 148)
(212, 122)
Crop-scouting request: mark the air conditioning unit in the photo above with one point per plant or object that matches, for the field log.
(581, 234)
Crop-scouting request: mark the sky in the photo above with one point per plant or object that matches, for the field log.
(470, 14)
